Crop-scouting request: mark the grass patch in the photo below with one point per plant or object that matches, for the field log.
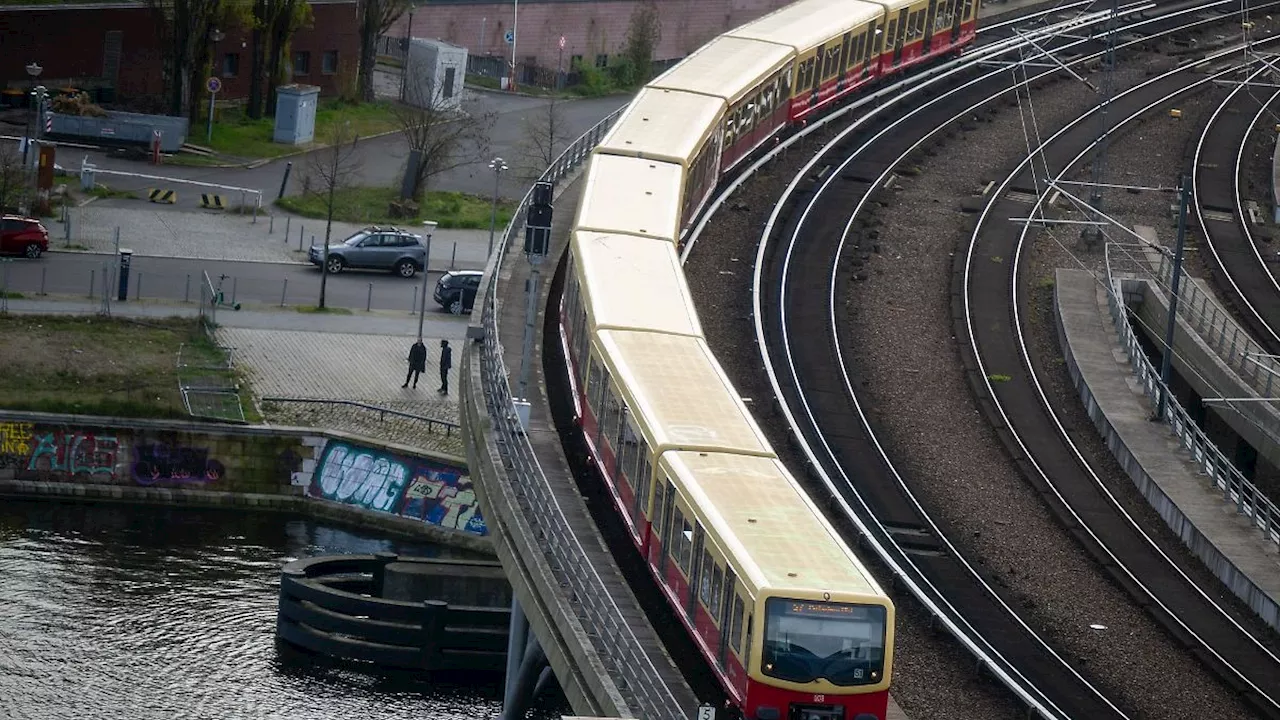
(326, 310)
(998, 378)
(237, 135)
(453, 210)
(11, 294)
(194, 160)
(105, 366)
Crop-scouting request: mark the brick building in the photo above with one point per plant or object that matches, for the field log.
(593, 29)
(116, 45)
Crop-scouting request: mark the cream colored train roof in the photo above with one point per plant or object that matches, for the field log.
(809, 23)
(764, 518)
(726, 67)
(667, 125)
(678, 394)
(633, 283)
(631, 195)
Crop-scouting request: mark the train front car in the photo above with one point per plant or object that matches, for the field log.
(822, 656)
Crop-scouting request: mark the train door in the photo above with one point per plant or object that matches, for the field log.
(726, 606)
(957, 20)
(816, 82)
(695, 574)
(930, 17)
(846, 48)
(663, 506)
(898, 36)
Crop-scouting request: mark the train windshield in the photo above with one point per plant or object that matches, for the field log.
(807, 640)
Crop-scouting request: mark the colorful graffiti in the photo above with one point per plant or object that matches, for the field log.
(68, 454)
(74, 452)
(160, 462)
(410, 487)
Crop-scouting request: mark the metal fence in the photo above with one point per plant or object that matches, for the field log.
(432, 423)
(1223, 475)
(631, 669)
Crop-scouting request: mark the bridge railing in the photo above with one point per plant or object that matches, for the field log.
(1222, 472)
(631, 669)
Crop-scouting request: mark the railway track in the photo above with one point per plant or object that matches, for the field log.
(1243, 271)
(837, 436)
(1035, 433)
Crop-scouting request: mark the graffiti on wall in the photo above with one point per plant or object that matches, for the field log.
(71, 454)
(410, 487)
(161, 462)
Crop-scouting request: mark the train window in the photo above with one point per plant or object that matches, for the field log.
(644, 478)
(879, 39)
(584, 346)
(659, 496)
(893, 30)
(681, 541)
(717, 582)
(593, 386)
(746, 651)
(860, 53)
(626, 445)
(735, 624)
(704, 581)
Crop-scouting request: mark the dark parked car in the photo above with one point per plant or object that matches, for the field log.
(23, 236)
(375, 248)
(456, 290)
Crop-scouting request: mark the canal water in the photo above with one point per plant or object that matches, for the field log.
(144, 613)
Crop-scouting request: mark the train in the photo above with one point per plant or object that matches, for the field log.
(785, 614)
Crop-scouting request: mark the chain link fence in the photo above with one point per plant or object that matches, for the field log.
(629, 667)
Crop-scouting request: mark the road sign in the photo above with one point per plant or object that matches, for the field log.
(561, 42)
(510, 37)
(706, 712)
(214, 84)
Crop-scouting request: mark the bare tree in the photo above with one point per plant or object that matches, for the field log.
(444, 139)
(13, 177)
(328, 171)
(544, 135)
(643, 35)
(375, 18)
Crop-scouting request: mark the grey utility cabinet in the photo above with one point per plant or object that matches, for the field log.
(434, 73)
(296, 114)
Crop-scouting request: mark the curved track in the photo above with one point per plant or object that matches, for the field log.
(1049, 456)
(839, 442)
(1243, 271)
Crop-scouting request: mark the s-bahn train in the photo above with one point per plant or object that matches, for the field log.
(784, 613)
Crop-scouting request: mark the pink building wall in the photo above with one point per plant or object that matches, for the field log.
(590, 27)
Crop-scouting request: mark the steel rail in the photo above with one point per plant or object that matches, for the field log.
(787, 410)
(1011, 426)
(1261, 320)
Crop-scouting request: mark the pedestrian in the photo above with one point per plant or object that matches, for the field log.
(417, 363)
(446, 362)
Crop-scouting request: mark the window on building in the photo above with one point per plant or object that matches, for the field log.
(230, 65)
(329, 63)
(575, 61)
(302, 63)
(602, 60)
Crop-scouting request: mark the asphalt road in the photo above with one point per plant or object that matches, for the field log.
(381, 158)
(251, 283)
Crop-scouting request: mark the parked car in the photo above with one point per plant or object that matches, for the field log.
(375, 248)
(23, 236)
(456, 290)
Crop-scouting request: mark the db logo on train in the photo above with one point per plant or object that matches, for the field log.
(819, 698)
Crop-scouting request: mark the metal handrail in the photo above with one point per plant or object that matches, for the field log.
(1223, 475)
(383, 412)
(631, 669)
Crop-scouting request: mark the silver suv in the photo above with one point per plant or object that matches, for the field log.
(375, 248)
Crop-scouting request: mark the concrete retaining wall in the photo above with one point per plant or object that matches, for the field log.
(1151, 456)
(324, 474)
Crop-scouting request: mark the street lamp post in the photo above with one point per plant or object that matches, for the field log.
(430, 226)
(216, 36)
(497, 166)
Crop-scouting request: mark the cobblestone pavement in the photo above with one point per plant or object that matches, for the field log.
(362, 368)
(225, 235)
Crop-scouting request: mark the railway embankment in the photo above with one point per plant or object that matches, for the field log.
(1169, 479)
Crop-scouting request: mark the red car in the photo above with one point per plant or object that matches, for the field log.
(23, 236)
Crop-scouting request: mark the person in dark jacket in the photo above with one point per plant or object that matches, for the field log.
(417, 363)
(446, 362)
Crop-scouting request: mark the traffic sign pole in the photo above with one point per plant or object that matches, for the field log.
(560, 65)
(213, 85)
